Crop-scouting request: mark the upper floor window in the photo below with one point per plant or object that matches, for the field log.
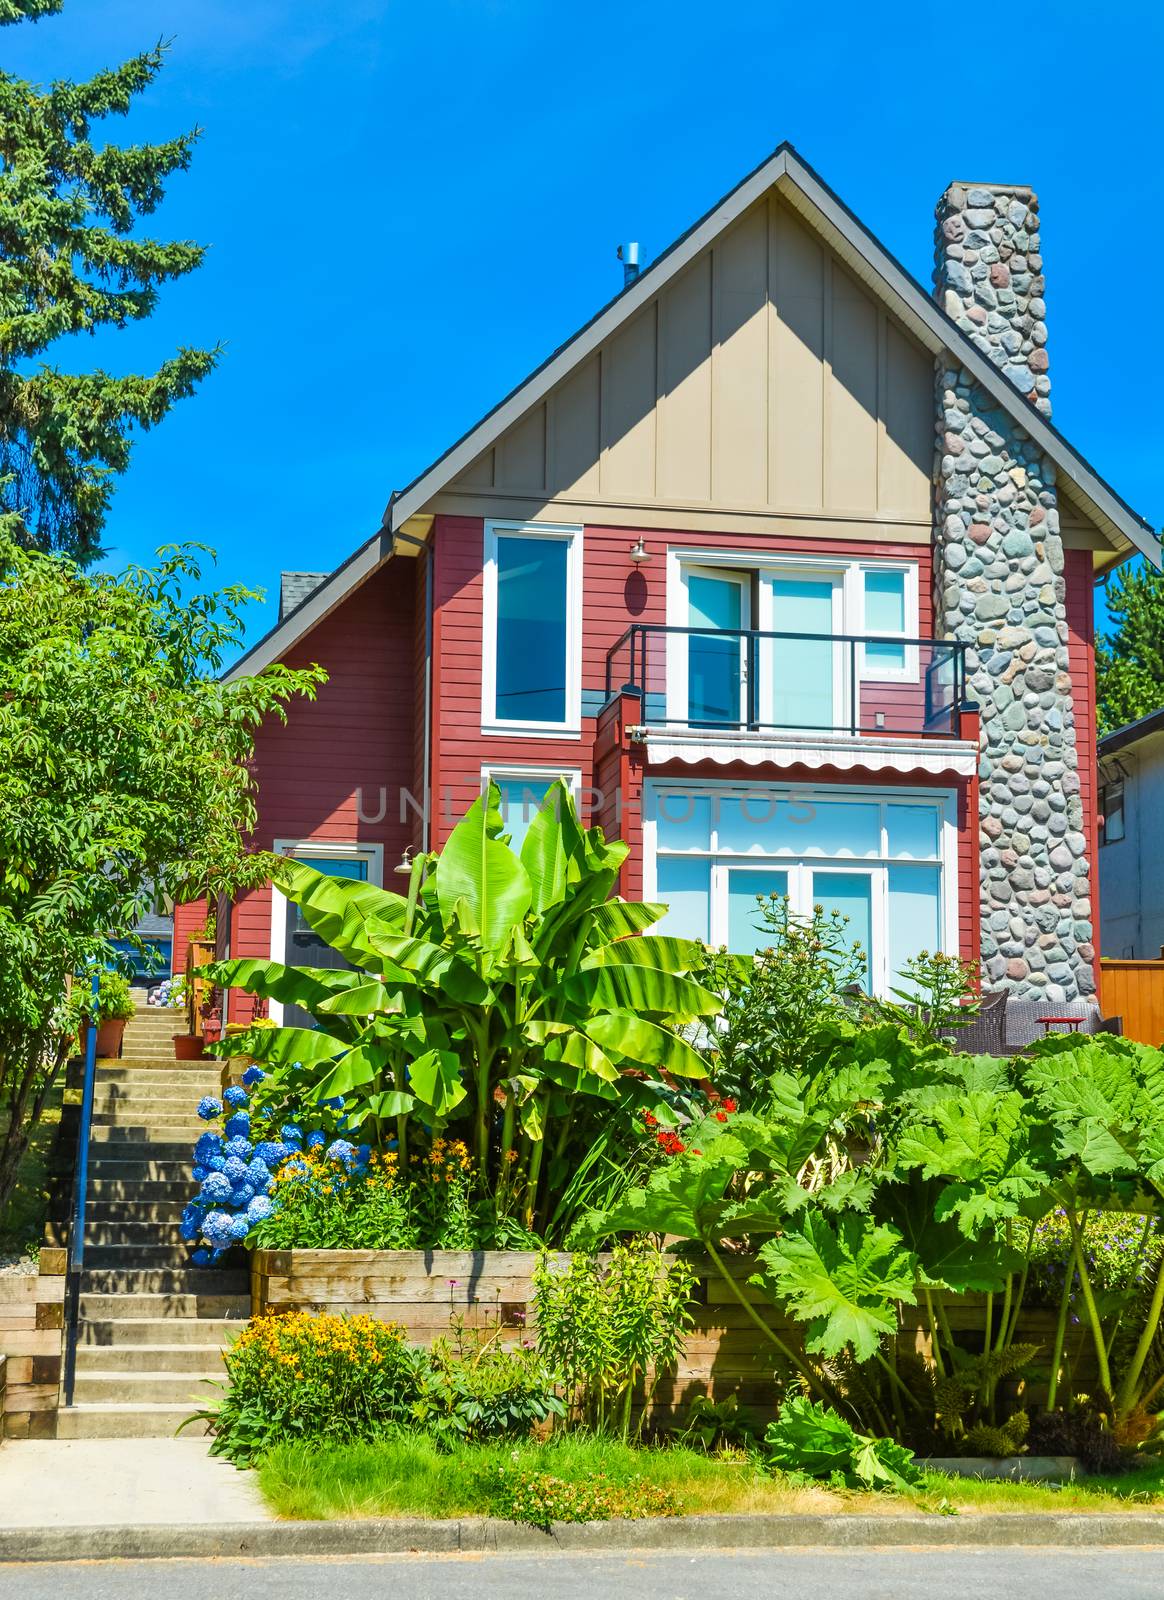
(531, 655)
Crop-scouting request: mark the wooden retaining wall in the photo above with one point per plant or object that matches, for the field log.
(32, 1315)
(724, 1352)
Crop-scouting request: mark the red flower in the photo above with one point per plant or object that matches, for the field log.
(729, 1105)
(721, 1116)
(670, 1143)
(650, 1120)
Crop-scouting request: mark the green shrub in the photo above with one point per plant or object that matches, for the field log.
(313, 1378)
(612, 1328)
(809, 1439)
(475, 1389)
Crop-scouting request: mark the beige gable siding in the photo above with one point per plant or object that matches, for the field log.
(765, 378)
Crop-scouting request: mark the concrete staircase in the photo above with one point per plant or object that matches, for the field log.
(151, 1328)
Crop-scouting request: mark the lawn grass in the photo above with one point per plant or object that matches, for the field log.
(410, 1476)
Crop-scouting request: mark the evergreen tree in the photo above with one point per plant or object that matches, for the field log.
(71, 261)
(1129, 662)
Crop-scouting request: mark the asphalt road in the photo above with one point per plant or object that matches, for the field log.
(1032, 1574)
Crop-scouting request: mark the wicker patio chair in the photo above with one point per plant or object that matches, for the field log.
(986, 1034)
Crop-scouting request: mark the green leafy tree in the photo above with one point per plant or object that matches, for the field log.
(1129, 661)
(73, 260)
(123, 774)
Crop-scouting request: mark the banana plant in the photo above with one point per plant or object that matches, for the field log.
(501, 988)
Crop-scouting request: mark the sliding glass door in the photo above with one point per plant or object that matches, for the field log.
(802, 677)
(717, 681)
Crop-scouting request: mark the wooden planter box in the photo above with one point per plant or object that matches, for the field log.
(31, 1322)
(424, 1291)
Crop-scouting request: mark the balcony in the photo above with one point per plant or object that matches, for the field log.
(816, 698)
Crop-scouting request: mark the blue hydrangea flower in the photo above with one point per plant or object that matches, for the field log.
(216, 1187)
(259, 1209)
(253, 1075)
(242, 1196)
(235, 1096)
(240, 1147)
(235, 1169)
(258, 1177)
(201, 1258)
(198, 1173)
(336, 1102)
(216, 1226)
(239, 1228)
(189, 1231)
(215, 1164)
(272, 1153)
(209, 1108)
(341, 1150)
(291, 1134)
(363, 1154)
(208, 1144)
(316, 1139)
(238, 1126)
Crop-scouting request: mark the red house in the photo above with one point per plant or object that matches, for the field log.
(782, 563)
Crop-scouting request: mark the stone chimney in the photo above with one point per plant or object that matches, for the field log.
(988, 277)
(999, 586)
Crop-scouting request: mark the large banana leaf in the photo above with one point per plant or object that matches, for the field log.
(308, 987)
(480, 883)
(644, 990)
(434, 965)
(617, 918)
(552, 849)
(635, 1040)
(283, 1047)
(653, 950)
(339, 909)
(435, 1080)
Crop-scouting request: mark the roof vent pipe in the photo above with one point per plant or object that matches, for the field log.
(628, 254)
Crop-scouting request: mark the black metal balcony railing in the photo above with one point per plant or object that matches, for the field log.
(745, 680)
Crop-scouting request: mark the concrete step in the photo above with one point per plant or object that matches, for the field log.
(182, 1309)
(150, 1388)
(127, 1422)
(164, 1280)
(132, 1257)
(116, 1333)
(109, 1213)
(130, 1230)
(167, 1080)
(129, 1180)
(142, 1127)
(201, 1360)
(179, 1106)
(120, 1145)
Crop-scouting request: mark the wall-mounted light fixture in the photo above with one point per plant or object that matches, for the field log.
(639, 553)
(404, 866)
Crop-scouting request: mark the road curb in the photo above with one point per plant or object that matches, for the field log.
(476, 1536)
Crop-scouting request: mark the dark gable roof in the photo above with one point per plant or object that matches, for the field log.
(862, 251)
(1132, 732)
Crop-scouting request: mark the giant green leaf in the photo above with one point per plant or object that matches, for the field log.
(977, 1142)
(643, 990)
(435, 1080)
(641, 1043)
(843, 1279)
(285, 1046)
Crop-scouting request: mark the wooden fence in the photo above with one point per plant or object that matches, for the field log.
(724, 1352)
(31, 1323)
(1134, 990)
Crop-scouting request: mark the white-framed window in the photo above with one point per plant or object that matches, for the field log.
(293, 941)
(884, 858)
(1111, 811)
(531, 656)
(801, 682)
(523, 793)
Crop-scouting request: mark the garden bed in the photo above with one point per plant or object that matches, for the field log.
(725, 1352)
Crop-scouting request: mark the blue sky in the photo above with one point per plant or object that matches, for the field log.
(410, 204)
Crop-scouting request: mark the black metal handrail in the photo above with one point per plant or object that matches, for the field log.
(942, 679)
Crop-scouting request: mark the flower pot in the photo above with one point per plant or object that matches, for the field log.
(109, 1035)
(188, 1047)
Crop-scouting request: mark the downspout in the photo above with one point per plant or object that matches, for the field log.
(426, 758)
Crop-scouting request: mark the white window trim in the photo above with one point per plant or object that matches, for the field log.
(523, 772)
(945, 802)
(324, 849)
(491, 724)
(849, 612)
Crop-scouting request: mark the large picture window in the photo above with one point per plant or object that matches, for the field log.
(885, 860)
(531, 656)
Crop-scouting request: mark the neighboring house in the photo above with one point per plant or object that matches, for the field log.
(1131, 862)
(781, 562)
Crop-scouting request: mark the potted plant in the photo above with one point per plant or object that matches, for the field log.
(114, 1009)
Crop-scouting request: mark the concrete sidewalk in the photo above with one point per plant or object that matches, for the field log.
(122, 1483)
